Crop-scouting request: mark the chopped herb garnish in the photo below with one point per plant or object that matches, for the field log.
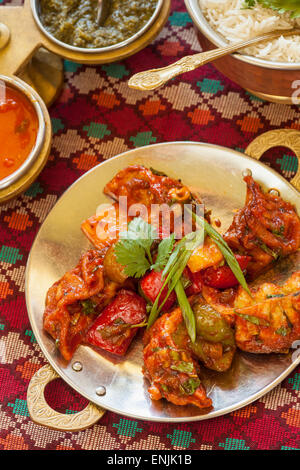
(279, 232)
(191, 385)
(133, 256)
(252, 319)
(164, 387)
(281, 6)
(133, 249)
(88, 307)
(187, 367)
(275, 296)
(157, 172)
(119, 321)
(283, 331)
(270, 252)
(164, 250)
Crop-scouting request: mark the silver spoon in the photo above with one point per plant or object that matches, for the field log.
(103, 11)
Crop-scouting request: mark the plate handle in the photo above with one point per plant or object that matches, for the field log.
(289, 138)
(41, 413)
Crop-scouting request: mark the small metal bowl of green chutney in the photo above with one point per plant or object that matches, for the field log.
(72, 24)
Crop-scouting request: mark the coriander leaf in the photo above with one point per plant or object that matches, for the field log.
(164, 387)
(142, 232)
(132, 255)
(281, 6)
(191, 385)
(267, 250)
(250, 318)
(187, 367)
(164, 250)
(88, 307)
(157, 172)
(283, 331)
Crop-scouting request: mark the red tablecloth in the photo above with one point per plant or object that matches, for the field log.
(98, 116)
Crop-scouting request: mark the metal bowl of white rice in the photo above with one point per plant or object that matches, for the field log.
(269, 70)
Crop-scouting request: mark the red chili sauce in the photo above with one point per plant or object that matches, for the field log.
(18, 129)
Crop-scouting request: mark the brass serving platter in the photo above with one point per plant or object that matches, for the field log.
(216, 173)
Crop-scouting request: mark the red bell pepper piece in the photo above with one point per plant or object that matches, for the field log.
(150, 287)
(223, 277)
(112, 329)
(196, 280)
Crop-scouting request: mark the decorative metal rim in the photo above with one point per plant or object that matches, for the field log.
(98, 50)
(212, 414)
(41, 413)
(29, 93)
(198, 18)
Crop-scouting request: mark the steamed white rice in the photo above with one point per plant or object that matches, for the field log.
(235, 23)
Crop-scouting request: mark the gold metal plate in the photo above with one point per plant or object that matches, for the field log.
(216, 173)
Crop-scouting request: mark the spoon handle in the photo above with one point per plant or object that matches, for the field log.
(152, 79)
(103, 10)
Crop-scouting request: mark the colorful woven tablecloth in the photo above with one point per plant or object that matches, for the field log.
(98, 116)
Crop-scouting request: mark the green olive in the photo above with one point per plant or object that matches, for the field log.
(113, 270)
(211, 326)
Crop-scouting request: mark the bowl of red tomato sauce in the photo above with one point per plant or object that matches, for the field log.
(22, 130)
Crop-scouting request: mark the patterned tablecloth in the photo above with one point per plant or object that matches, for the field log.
(98, 116)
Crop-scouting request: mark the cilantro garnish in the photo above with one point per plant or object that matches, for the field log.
(279, 232)
(283, 331)
(191, 385)
(187, 367)
(164, 250)
(267, 250)
(141, 235)
(88, 307)
(133, 256)
(157, 172)
(252, 319)
(133, 249)
(281, 6)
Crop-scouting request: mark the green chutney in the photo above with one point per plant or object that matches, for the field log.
(74, 21)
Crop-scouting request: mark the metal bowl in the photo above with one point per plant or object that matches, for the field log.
(35, 6)
(31, 96)
(270, 80)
